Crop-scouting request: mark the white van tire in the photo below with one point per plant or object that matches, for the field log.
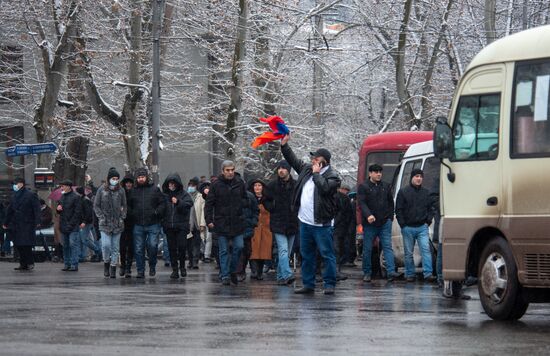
(499, 290)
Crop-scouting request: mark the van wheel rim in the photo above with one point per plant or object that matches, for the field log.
(494, 277)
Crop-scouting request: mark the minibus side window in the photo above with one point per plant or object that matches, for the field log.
(476, 127)
(431, 175)
(531, 110)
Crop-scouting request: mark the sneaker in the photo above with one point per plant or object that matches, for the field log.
(304, 290)
(183, 272)
(66, 268)
(328, 291)
(430, 279)
(72, 269)
(225, 281)
(175, 274)
(234, 278)
(290, 280)
(394, 276)
(366, 279)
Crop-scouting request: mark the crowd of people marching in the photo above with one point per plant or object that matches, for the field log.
(237, 224)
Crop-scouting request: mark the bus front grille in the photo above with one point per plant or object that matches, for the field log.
(537, 266)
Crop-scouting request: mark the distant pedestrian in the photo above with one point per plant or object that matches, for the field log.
(127, 236)
(313, 198)
(224, 213)
(283, 220)
(251, 213)
(22, 219)
(345, 217)
(69, 209)
(414, 211)
(176, 222)
(375, 200)
(86, 225)
(146, 205)
(197, 223)
(262, 240)
(207, 237)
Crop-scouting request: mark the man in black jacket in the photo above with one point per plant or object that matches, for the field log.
(314, 200)
(414, 212)
(176, 222)
(375, 200)
(22, 219)
(224, 215)
(70, 211)
(127, 237)
(342, 221)
(146, 206)
(283, 221)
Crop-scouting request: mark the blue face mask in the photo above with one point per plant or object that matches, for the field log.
(113, 182)
(191, 190)
(15, 188)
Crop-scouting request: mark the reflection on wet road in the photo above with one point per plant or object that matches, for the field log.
(52, 312)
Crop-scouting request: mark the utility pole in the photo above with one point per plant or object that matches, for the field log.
(158, 6)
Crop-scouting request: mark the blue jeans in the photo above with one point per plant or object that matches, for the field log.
(229, 265)
(110, 244)
(284, 246)
(384, 234)
(146, 236)
(86, 242)
(71, 248)
(313, 238)
(421, 235)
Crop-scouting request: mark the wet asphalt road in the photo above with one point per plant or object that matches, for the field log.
(52, 312)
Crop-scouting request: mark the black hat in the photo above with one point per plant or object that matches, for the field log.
(127, 178)
(19, 180)
(141, 172)
(322, 152)
(375, 168)
(194, 181)
(417, 171)
(283, 164)
(113, 173)
(66, 182)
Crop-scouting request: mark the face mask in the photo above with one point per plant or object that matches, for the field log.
(15, 188)
(172, 188)
(113, 182)
(191, 189)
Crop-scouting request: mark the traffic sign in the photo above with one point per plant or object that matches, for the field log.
(31, 149)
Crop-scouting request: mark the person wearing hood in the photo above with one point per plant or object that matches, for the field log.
(283, 221)
(126, 238)
(69, 209)
(110, 207)
(146, 205)
(414, 212)
(262, 240)
(224, 215)
(176, 222)
(22, 219)
(197, 223)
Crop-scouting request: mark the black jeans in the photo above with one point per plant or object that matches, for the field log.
(126, 249)
(194, 250)
(25, 256)
(177, 244)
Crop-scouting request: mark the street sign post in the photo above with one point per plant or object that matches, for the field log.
(31, 149)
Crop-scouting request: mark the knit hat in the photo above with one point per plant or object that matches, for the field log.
(19, 180)
(194, 181)
(375, 168)
(113, 173)
(283, 164)
(141, 172)
(417, 171)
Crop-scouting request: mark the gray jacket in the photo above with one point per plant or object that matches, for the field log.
(110, 208)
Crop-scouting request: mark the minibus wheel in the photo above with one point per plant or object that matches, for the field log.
(500, 293)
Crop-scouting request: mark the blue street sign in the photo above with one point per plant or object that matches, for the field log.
(31, 149)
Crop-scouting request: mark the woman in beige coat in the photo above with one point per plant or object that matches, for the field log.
(262, 239)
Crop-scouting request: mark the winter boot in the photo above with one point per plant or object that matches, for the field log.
(175, 274)
(253, 269)
(106, 271)
(113, 271)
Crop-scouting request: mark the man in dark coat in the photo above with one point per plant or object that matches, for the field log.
(314, 201)
(414, 212)
(146, 205)
(22, 219)
(283, 219)
(344, 218)
(126, 238)
(70, 210)
(224, 215)
(176, 222)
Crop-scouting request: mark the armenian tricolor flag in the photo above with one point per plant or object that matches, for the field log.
(278, 131)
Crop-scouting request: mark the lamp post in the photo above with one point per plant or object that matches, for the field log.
(158, 6)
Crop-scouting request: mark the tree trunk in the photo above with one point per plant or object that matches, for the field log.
(237, 79)
(489, 20)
